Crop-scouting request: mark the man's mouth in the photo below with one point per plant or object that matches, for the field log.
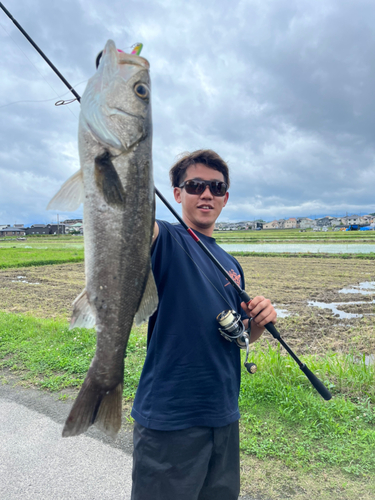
(205, 207)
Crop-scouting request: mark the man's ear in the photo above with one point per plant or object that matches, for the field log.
(177, 194)
(226, 198)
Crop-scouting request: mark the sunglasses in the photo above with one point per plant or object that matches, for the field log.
(217, 188)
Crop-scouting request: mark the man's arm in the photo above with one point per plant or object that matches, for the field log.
(262, 312)
(156, 233)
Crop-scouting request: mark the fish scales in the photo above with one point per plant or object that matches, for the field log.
(115, 183)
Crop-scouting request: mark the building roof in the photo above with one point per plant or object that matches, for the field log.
(13, 229)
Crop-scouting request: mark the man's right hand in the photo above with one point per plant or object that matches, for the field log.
(156, 233)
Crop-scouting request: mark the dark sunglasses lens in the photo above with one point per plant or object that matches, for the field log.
(195, 187)
(218, 188)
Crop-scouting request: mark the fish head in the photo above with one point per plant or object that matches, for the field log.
(116, 105)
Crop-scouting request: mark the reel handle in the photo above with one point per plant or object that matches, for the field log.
(251, 368)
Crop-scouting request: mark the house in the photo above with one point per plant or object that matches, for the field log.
(324, 221)
(290, 223)
(271, 225)
(357, 219)
(350, 219)
(306, 223)
(12, 231)
(57, 229)
(38, 229)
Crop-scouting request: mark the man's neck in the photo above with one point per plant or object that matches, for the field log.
(207, 231)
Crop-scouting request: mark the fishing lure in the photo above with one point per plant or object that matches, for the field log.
(137, 49)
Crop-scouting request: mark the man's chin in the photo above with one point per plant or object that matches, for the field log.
(204, 225)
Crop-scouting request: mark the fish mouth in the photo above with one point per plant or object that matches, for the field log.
(117, 111)
(124, 58)
(132, 59)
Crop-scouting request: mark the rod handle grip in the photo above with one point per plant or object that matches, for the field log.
(272, 329)
(319, 386)
(244, 296)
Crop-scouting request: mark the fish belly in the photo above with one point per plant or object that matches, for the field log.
(118, 266)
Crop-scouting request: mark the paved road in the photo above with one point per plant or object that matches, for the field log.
(36, 463)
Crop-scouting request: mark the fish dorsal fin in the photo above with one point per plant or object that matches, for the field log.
(108, 181)
(149, 301)
(70, 195)
(82, 316)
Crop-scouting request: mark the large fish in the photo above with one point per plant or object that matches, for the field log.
(115, 184)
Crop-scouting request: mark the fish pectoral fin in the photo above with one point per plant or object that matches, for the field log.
(70, 195)
(149, 301)
(82, 316)
(108, 181)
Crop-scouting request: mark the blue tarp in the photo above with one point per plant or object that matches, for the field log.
(367, 228)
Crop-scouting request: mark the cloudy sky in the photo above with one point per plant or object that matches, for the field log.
(283, 90)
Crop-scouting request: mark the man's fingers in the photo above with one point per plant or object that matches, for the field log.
(260, 305)
(262, 311)
(262, 319)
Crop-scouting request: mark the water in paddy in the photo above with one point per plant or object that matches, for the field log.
(300, 247)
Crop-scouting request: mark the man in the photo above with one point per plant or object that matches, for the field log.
(186, 439)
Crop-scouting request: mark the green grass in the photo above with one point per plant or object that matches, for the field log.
(283, 417)
(49, 355)
(38, 255)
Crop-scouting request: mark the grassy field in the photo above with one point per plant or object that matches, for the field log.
(40, 251)
(294, 444)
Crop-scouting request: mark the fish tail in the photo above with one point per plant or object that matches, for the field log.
(95, 407)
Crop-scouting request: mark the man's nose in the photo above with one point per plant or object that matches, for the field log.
(205, 193)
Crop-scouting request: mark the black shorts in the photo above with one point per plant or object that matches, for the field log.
(199, 463)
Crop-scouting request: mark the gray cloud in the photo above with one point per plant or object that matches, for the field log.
(282, 90)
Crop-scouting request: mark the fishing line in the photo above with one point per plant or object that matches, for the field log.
(47, 100)
(191, 258)
(57, 95)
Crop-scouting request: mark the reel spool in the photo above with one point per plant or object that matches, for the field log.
(233, 329)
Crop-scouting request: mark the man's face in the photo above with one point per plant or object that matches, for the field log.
(200, 211)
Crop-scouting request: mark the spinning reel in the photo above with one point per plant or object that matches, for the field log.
(233, 329)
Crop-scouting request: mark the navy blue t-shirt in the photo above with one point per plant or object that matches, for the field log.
(191, 376)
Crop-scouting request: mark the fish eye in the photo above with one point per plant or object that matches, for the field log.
(141, 90)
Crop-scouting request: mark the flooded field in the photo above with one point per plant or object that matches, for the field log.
(300, 247)
(324, 304)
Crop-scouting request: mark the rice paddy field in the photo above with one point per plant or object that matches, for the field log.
(294, 235)
(293, 443)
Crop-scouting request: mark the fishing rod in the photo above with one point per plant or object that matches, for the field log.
(317, 384)
(231, 326)
(41, 53)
